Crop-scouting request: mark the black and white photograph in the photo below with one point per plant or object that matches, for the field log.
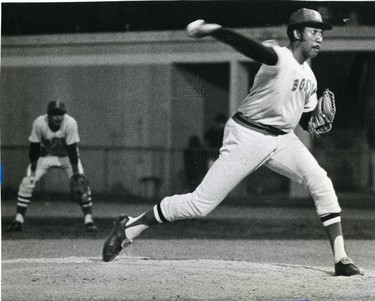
(187, 150)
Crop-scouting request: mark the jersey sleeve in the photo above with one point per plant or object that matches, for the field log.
(36, 135)
(72, 135)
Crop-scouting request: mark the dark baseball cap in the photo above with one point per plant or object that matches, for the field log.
(56, 107)
(308, 17)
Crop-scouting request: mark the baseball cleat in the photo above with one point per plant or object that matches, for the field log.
(91, 227)
(117, 240)
(346, 267)
(15, 227)
(200, 29)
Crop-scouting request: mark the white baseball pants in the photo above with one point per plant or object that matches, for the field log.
(243, 151)
(43, 166)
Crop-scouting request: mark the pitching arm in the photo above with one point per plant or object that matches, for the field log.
(246, 46)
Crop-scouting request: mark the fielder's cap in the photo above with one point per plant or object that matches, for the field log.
(308, 17)
(56, 107)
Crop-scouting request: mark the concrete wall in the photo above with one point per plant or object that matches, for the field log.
(137, 97)
(114, 106)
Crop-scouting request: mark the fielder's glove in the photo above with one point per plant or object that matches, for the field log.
(200, 29)
(322, 117)
(79, 187)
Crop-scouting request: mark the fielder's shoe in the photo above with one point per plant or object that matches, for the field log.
(90, 227)
(200, 29)
(16, 226)
(117, 240)
(346, 267)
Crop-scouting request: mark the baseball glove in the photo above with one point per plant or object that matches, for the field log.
(79, 187)
(322, 117)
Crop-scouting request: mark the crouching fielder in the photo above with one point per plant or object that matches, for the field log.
(284, 95)
(54, 144)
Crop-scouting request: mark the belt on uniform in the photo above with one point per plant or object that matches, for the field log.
(243, 120)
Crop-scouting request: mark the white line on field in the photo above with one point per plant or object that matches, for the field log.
(62, 260)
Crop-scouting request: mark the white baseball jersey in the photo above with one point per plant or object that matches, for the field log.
(55, 142)
(281, 93)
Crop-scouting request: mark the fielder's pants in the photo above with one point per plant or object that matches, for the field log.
(244, 150)
(44, 164)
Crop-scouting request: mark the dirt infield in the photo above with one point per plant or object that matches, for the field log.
(234, 254)
(181, 270)
(75, 278)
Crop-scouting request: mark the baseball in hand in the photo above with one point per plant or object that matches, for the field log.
(199, 28)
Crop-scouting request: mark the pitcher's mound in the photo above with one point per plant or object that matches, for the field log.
(130, 278)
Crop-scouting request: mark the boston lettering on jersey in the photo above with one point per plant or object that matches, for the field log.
(304, 85)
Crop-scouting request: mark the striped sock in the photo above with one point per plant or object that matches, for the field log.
(330, 219)
(332, 224)
(159, 214)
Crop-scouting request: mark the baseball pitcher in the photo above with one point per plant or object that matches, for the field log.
(284, 94)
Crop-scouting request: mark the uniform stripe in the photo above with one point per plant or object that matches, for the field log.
(329, 216)
(26, 197)
(156, 214)
(22, 204)
(23, 200)
(332, 221)
(161, 213)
